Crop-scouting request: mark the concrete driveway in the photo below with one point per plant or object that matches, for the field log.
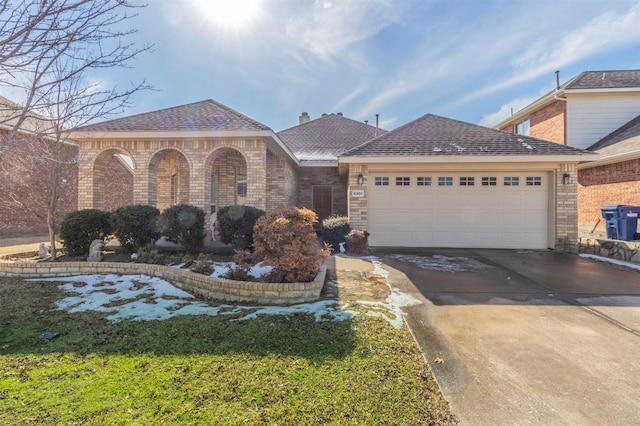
(526, 337)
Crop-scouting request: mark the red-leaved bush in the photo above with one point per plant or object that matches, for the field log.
(357, 242)
(285, 239)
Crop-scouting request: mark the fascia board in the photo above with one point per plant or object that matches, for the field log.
(526, 111)
(154, 134)
(616, 158)
(574, 158)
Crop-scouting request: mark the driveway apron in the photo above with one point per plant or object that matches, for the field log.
(526, 337)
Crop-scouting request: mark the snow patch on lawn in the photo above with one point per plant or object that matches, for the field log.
(143, 298)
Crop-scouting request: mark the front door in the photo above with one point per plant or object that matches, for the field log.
(322, 201)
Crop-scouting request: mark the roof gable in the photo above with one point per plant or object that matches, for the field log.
(326, 137)
(432, 135)
(199, 116)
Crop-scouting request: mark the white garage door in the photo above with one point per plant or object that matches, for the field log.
(445, 209)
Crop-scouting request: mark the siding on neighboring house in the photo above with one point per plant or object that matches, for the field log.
(591, 117)
(617, 183)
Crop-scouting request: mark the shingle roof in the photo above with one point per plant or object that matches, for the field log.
(431, 135)
(621, 141)
(204, 115)
(324, 138)
(605, 80)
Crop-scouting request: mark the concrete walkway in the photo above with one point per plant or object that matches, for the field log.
(22, 244)
(532, 337)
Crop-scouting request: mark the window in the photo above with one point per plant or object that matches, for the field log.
(534, 181)
(241, 185)
(424, 181)
(467, 181)
(213, 193)
(522, 128)
(489, 181)
(381, 181)
(174, 190)
(445, 181)
(511, 181)
(403, 180)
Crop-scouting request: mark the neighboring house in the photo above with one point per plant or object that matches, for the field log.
(597, 111)
(20, 168)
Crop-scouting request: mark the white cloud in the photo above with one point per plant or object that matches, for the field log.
(332, 27)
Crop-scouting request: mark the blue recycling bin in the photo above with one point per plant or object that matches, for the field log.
(621, 221)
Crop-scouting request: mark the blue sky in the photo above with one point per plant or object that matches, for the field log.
(471, 60)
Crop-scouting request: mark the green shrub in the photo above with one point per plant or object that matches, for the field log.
(335, 230)
(80, 228)
(357, 242)
(285, 239)
(235, 225)
(183, 224)
(202, 265)
(135, 226)
(150, 254)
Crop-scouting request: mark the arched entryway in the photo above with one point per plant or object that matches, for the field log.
(113, 171)
(227, 178)
(169, 179)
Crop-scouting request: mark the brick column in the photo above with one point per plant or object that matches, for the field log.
(358, 206)
(566, 208)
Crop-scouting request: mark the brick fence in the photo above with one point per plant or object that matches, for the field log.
(208, 287)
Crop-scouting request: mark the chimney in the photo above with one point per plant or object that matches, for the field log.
(340, 114)
(304, 118)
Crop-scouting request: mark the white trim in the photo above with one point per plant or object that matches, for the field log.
(616, 158)
(575, 158)
(532, 107)
(318, 164)
(603, 90)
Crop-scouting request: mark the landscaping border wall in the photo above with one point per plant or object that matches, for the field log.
(220, 289)
(628, 251)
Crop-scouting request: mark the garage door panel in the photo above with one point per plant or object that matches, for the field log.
(496, 216)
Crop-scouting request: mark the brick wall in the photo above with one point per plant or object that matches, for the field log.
(323, 176)
(566, 209)
(16, 221)
(358, 206)
(282, 183)
(203, 285)
(617, 183)
(119, 191)
(548, 123)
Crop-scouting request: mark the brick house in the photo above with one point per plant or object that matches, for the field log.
(597, 111)
(434, 182)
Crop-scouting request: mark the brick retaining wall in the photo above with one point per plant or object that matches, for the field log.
(208, 287)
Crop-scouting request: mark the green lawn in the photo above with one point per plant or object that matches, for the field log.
(205, 370)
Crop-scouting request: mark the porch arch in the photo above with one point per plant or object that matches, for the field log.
(106, 165)
(227, 172)
(169, 174)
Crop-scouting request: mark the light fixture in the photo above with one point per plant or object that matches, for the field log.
(566, 178)
(360, 179)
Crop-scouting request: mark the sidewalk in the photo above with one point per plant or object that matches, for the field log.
(22, 244)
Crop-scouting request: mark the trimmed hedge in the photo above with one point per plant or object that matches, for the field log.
(235, 225)
(183, 224)
(80, 228)
(135, 226)
(335, 230)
